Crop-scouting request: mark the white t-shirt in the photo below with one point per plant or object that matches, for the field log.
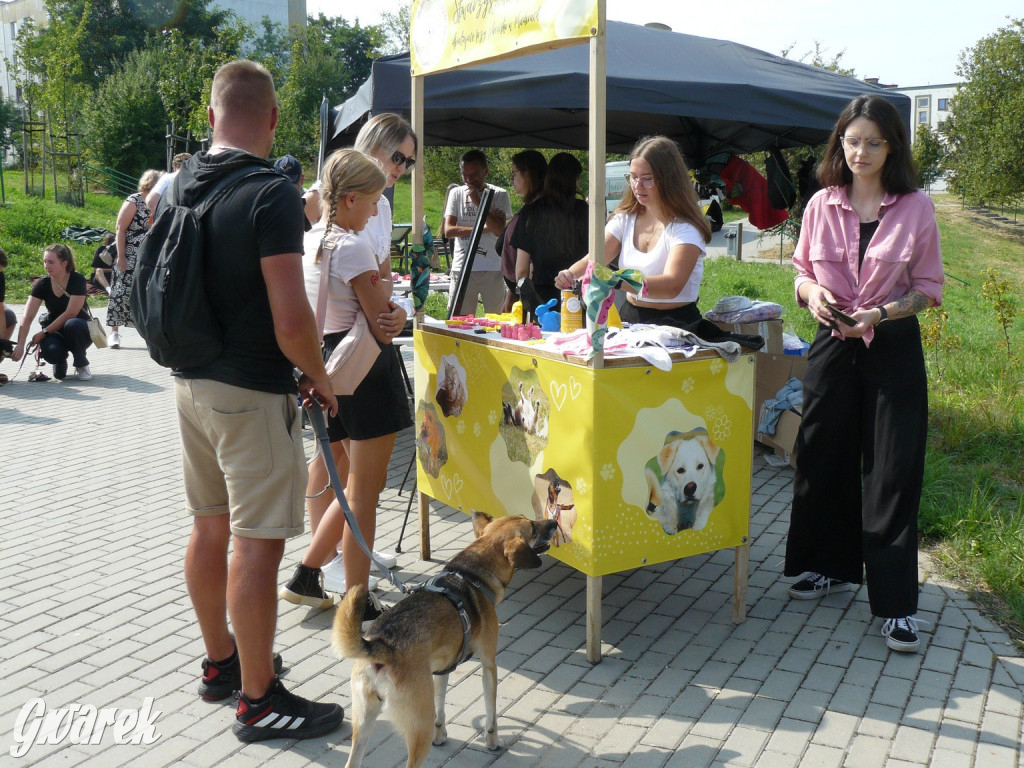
(653, 261)
(352, 257)
(378, 231)
(466, 213)
(163, 183)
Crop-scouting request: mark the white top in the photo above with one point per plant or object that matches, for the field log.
(378, 231)
(352, 257)
(163, 183)
(465, 213)
(653, 262)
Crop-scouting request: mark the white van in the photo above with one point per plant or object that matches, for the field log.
(614, 183)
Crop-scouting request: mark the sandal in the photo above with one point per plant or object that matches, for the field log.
(38, 376)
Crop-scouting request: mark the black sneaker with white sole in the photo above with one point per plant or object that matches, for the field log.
(373, 611)
(814, 586)
(306, 587)
(221, 679)
(901, 634)
(283, 715)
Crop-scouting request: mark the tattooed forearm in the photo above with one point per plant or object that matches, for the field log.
(911, 304)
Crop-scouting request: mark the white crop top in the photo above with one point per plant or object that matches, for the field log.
(653, 261)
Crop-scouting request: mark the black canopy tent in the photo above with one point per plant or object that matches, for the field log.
(709, 95)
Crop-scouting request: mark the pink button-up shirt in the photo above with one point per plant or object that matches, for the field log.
(903, 254)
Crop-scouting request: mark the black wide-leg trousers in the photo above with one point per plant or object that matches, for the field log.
(860, 464)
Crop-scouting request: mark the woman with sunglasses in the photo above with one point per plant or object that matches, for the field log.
(390, 140)
(868, 260)
(659, 229)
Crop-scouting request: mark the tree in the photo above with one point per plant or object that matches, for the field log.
(394, 29)
(818, 59)
(10, 125)
(986, 131)
(329, 57)
(928, 156)
(125, 122)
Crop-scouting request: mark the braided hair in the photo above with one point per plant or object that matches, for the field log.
(347, 171)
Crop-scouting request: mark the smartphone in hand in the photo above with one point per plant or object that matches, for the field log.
(838, 314)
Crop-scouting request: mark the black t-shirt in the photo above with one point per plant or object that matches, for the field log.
(3, 287)
(57, 305)
(553, 241)
(260, 217)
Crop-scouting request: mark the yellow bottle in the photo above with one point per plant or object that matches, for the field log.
(572, 311)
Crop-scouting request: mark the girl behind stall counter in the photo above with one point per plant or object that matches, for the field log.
(659, 229)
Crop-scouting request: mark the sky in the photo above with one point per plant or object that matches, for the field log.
(901, 42)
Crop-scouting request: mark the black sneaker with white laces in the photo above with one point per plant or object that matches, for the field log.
(374, 610)
(221, 679)
(283, 715)
(814, 586)
(306, 587)
(901, 634)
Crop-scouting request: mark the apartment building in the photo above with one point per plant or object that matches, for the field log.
(13, 15)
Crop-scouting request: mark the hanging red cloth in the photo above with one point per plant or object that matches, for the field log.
(749, 190)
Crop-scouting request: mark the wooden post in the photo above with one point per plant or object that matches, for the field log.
(593, 619)
(424, 508)
(598, 143)
(739, 584)
(416, 104)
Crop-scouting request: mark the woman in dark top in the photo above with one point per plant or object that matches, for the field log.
(65, 332)
(528, 169)
(552, 231)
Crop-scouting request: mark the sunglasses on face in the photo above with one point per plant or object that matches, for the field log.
(398, 159)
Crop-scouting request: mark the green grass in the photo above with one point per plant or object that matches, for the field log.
(29, 224)
(972, 513)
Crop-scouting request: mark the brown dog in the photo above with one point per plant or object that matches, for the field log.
(430, 632)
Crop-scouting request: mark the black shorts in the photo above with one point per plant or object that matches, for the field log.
(380, 404)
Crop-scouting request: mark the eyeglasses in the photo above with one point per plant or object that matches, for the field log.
(398, 158)
(647, 182)
(873, 146)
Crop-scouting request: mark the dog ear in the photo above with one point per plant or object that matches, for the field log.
(709, 448)
(665, 456)
(480, 521)
(520, 554)
(653, 486)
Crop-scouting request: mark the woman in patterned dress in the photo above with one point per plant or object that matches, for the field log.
(132, 222)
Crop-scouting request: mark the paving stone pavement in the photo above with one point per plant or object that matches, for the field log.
(95, 613)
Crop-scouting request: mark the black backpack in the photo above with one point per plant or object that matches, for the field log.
(781, 189)
(169, 303)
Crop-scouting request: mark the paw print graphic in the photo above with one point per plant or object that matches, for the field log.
(460, 427)
(492, 418)
(477, 429)
(687, 385)
(717, 365)
(607, 472)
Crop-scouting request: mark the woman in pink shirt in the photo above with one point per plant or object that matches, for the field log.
(868, 261)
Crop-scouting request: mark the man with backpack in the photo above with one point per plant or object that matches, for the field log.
(242, 453)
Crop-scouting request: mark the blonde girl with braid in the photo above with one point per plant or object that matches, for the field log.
(369, 419)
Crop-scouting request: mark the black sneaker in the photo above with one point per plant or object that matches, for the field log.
(306, 587)
(283, 715)
(60, 370)
(224, 678)
(901, 634)
(373, 611)
(814, 586)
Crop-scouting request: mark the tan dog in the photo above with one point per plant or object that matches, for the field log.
(426, 636)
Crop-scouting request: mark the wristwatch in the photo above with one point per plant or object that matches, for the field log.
(883, 315)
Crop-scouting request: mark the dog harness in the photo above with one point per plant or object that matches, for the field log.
(442, 585)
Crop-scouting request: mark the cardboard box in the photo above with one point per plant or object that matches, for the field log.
(770, 330)
(773, 371)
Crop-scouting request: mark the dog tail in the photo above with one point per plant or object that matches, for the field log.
(348, 620)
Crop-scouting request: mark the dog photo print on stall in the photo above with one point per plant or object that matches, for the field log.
(552, 500)
(431, 444)
(525, 410)
(685, 481)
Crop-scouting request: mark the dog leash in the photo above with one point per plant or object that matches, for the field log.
(316, 419)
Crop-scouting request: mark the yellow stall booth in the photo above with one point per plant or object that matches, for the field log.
(638, 465)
